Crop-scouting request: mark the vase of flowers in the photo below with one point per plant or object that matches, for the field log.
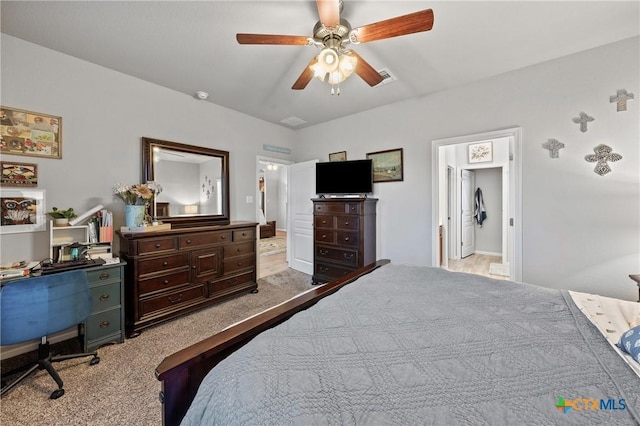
(136, 198)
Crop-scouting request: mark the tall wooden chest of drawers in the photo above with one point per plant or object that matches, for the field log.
(344, 236)
(170, 273)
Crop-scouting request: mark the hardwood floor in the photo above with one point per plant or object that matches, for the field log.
(273, 263)
(478, 264)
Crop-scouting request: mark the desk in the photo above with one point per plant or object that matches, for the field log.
(636, 278)
(106, 322)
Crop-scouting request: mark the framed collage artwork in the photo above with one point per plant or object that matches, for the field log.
(32, 134)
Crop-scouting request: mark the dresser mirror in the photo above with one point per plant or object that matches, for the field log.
(194, 181)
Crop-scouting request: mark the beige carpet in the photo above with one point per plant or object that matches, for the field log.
(272, 245)
(122, 388)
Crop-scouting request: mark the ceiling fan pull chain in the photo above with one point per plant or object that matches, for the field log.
(335, 89)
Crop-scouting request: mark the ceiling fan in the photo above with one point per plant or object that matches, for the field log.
(332, 34)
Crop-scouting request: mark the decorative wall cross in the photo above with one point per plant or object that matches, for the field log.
(554, 146)
(621, 97)
(602, 155)
(583, 120)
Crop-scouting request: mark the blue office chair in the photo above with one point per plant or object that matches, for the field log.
(36, 307)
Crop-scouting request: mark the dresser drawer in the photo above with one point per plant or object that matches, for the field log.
(330, 207)
(351, 223)
(344, 256)
(324, 221)
(169, 300)
(105, 296)
(103, 276)
(204, 238)
(239, 249)
(157, 245)
(244, 235)
(324, 236)
(160, 264)
(330, 271)
(239, 263)
(225, 284)
(345, 238)
(163, 282)
(102, 324)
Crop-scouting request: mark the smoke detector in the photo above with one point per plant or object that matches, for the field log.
(201, 95)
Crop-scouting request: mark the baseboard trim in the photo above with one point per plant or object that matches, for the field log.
(488, 253)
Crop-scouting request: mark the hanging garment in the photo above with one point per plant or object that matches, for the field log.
(480, 214)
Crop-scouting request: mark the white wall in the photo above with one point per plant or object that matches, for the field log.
(489, 235)
(105, 113)
(580, 231)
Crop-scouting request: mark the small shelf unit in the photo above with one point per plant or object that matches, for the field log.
(61, 237)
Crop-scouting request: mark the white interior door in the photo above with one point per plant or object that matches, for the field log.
(302, 188)
(468, 183)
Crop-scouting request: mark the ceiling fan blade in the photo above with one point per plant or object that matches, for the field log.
(407, 24)
(306, 76)
(329, 12)
(367, 72)
(272, 39)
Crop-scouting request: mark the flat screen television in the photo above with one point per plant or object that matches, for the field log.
(353, 177)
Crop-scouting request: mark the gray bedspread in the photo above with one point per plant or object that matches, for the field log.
(411, 345)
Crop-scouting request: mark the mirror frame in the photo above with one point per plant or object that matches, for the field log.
(183, 221)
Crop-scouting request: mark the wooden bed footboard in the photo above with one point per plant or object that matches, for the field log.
(182, 372)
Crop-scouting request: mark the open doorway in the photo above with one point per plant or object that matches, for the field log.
(450, 158)
(271, 214)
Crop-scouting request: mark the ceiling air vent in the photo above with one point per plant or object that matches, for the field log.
(293, 121)
(387, 77)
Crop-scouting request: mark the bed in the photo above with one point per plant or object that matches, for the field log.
(409, 345)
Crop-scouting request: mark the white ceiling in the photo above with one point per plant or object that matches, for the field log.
(189, 46)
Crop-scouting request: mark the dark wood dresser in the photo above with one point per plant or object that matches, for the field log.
(344, 236)
(170, 273)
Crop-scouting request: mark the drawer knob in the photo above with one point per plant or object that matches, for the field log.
(172, 300)
(244, 234)
(194, 267)
(233, 281)
(157, 245)
(353, 209)
(165, 282)
(348, 255)
(324, 222)
(104, 275)
(346, 238)
(239, 250)
(239, 263)
(324, 252)
(104, 324)
(188, 241)
(346, 223)
(323, 268)
(165, 263)
(223, 237)
(104, 297)
(324, 236)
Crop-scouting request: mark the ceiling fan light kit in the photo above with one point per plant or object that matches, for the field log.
(335, 63)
